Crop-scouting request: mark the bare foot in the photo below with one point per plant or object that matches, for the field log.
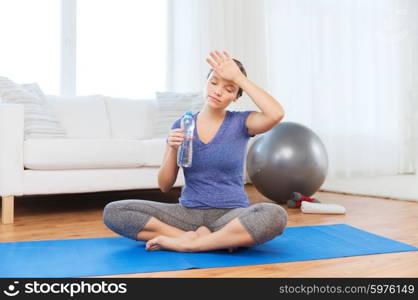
(179, 244)
(171, 243)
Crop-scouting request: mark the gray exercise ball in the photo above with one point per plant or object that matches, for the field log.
(288, 158)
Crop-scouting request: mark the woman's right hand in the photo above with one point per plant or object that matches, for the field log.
(175, 138)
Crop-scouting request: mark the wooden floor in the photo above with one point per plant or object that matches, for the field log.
(80, 216)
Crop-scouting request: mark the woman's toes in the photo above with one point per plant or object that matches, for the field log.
(153, 245)
(148, 245)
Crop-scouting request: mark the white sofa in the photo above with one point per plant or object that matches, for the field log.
(110, 146)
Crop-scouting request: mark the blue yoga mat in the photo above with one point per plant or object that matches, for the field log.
(119, 255)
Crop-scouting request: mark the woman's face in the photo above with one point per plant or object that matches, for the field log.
(220, 92)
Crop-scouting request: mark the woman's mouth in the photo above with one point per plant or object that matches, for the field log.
(214, 99)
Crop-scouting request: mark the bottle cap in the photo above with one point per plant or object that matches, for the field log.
(188, 113)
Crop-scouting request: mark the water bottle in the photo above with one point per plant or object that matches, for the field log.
(185, 151)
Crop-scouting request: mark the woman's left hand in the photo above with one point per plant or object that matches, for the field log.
(224, 65)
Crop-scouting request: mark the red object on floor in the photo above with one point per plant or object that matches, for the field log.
(296, 200)
(305, 198)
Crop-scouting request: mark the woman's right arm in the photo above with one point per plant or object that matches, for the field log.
(168, 171)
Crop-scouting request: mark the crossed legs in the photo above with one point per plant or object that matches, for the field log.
(174, 227)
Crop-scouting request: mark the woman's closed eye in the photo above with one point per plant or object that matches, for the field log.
(228, 89)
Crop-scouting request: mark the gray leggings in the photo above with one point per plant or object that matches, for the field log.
(263, 221)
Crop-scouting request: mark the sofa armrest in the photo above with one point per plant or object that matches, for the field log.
(11, 149)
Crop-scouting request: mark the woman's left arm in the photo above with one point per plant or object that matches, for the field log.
(271, 110)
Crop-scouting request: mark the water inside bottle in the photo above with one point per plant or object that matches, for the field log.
(185, 151)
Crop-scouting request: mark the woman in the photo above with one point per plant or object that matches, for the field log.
(213, 211)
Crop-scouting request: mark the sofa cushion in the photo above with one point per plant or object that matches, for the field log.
(82, 116)
(66, 154)
(131, 118)
(39, 121)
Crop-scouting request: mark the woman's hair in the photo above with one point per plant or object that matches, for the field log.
(241, 67)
